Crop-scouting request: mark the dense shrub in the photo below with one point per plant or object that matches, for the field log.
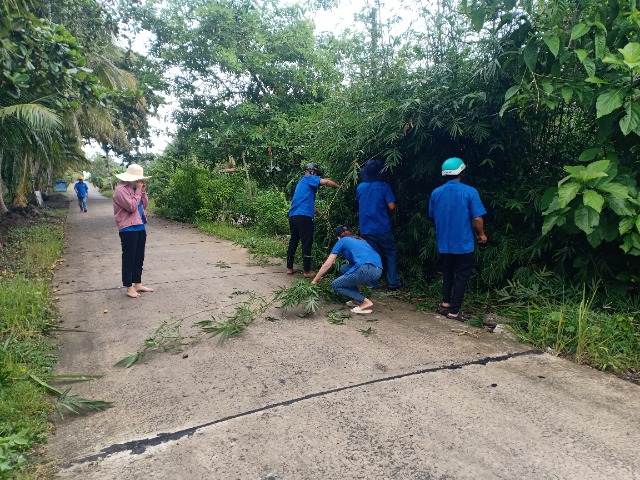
(271, 210)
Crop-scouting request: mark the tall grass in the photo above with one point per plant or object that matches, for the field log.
(576, 326)
(25, 317)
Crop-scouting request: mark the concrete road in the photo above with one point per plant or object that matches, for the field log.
(301, 398)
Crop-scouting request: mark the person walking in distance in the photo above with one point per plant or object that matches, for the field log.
(301, 216)
(82, 190)
(457, 211)
(129, 203)
(376, 203)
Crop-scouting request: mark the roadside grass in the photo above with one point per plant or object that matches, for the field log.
(26, 315)
(262, 247)
(106, 193)
(575, 322)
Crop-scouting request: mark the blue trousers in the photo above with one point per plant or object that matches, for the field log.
(82, 201)
(347, 283)
(385, 245)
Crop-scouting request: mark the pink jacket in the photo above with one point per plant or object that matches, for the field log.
(125, 205)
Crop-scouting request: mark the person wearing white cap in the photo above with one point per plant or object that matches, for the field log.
(129, 203)
(457, 211)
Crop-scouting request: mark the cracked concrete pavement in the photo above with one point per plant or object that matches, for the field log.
(301, 398)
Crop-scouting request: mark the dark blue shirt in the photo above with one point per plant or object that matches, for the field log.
(373, 199)
(304, 197)
(82, 189)
(357, 252)
(453, 206)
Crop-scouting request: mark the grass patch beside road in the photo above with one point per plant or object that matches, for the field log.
(261, 246)
(26, 315)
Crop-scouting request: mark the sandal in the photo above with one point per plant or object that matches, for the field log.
(456, 316)
(442, 310)
(361, 311)
(352, 303)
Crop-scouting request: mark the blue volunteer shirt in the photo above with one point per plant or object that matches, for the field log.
(373, 198)
(357, 252)
(453, 206)
(82, 188)
(304, 197)
(140, 227)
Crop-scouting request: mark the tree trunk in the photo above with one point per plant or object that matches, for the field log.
(246, 169)
(3, 207)
(20, 199)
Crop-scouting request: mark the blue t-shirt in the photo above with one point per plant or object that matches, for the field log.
(304, 197)
(357, 252)
(82, 189)
(453, 206)
(140, 227)
(373, 198)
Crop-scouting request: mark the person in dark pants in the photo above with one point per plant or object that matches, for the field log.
(364, 268)
(129, 201)
(375, 203)
(457, 211)
(301, 216)
(82, 191)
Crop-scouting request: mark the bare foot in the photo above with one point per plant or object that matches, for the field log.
(141, 288)
(131, 292)
(310, 273)
(366, 304)
(290, 271)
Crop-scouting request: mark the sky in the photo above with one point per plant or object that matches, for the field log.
(336, 20)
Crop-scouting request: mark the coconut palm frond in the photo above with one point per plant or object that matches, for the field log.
(104, 66)
(35, 115)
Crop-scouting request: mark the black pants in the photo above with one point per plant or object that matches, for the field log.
(457, 270)
(132, 256)
(301, 230)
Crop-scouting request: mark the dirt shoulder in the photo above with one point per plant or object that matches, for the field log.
(303, 398)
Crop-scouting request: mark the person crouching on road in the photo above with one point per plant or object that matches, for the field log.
(301, 216)
(129, 202)
(364, 267)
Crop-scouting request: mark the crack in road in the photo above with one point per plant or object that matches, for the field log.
(138, 447)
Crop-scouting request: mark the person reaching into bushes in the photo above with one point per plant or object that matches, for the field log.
(364, 268)
(301, 216)
(376, 203)
(129, 202)
(457, 211)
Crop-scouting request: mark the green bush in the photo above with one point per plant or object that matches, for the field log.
(181, 197)
(271, 210)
